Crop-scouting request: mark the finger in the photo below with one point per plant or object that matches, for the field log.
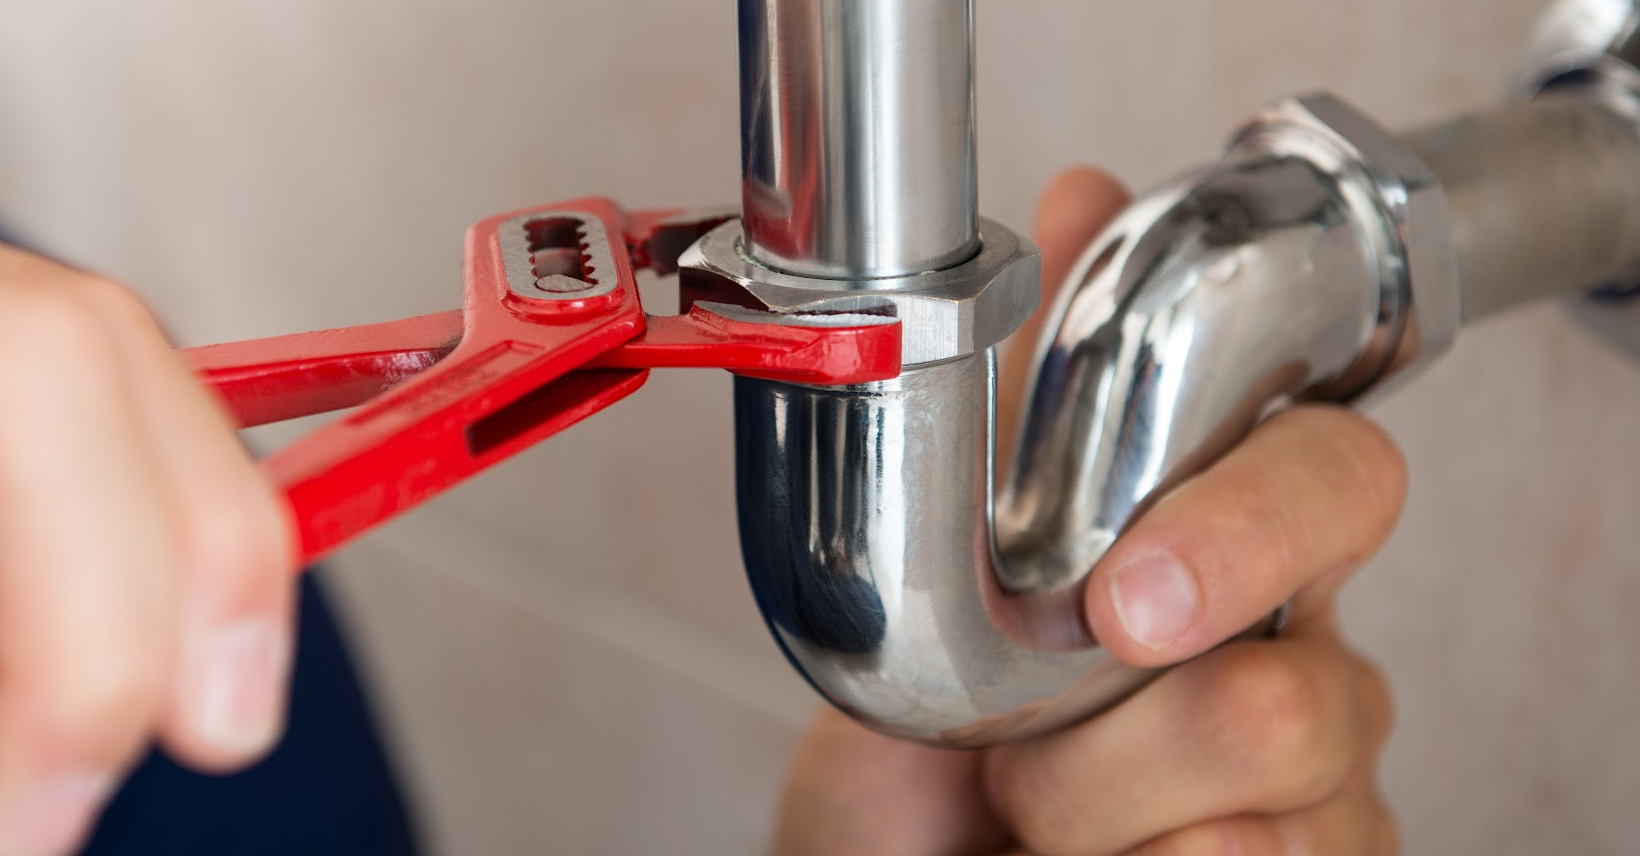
(1251, 728)
(1356, 823)
(854, 791)
(1311, 494)
(1075, 208)
(86, 571)
(237, 587)
(1228, 837)
(1345, 826)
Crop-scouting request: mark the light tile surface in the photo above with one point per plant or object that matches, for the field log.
(568, 657)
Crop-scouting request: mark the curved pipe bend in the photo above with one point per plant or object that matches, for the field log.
(1322, 256)
(866, 513)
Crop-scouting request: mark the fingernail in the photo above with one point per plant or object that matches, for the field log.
(245, 671)
(52, 818)
(1156, 600)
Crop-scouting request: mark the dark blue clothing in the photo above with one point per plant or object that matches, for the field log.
(327, 790)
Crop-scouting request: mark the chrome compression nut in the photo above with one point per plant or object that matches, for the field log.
(1401, 200)
(945, 314)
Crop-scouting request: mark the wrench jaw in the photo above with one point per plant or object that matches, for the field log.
(947, 314)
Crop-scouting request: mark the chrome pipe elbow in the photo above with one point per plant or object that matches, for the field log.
(891, 578)
(1321, 259)
(1313, 261)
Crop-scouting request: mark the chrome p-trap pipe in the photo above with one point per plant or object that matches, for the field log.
(1320, 258)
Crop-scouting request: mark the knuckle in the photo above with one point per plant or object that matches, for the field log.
(233, 530)
(55, 325)
(1277, 528)
(1377, 701)
(1222, 837)
(1273, 730)
(1029, 801)
(1378, 467)
(114, 301)
(20, 268)
(1344, 494)
(1203, 840)
(108, 700)
(1389, 831)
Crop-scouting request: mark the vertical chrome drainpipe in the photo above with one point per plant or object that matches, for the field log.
(857, 135)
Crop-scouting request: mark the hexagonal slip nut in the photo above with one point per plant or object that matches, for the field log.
(945, 314)
(1416, 237)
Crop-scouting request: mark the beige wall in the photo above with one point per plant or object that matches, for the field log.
(567, 654)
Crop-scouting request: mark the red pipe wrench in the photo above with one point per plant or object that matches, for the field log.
(550, 332)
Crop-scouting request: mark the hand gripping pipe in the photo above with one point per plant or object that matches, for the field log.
(1319, 259)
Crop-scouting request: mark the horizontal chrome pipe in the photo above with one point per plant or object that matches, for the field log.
(1544, 194)
(857, 135)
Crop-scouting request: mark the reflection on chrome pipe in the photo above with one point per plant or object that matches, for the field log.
(1167, 348)
(875, 573)
(857, 135)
